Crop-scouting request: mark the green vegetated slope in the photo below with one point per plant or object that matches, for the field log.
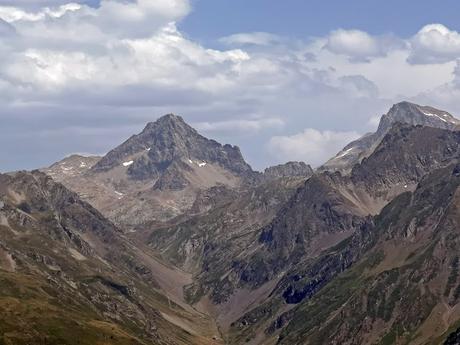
(69, 276)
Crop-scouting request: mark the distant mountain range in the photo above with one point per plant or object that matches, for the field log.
(172, 238)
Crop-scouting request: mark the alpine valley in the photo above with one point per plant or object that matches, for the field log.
(172, 238)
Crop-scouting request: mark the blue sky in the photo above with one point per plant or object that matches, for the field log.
(211, 19)
(284, 80)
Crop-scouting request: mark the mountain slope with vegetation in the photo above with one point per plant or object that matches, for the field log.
(69, 276)
(361, 251)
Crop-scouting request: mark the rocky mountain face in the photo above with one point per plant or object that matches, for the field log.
(166, 150)
(373, 287)
(289, 169)
(403, 287)
(71, 167)
(321, 212)
(69, 276)
(155, 175)
(362, 251)
(404, 112)
(208, 243)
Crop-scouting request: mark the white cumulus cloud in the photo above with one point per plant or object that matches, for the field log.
(34, 4)
(113, 66)
(359, 45)
(435, 43)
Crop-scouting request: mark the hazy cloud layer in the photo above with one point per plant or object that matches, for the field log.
(310, 145)
(251, 38)
(81, 77)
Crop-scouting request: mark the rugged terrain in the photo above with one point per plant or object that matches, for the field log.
(361, 251)
(404, 112)
(155, 175)
(334, 278)
(69, 276)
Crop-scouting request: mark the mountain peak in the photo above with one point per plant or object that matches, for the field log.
(166, 120)
(404, 104)
(403, 107)
(414, 114)
(169, 125)
(403, 112)
(170, 144)
(170, 117)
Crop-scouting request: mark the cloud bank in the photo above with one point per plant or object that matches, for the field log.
(97, 73)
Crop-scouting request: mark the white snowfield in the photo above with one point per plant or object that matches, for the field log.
(127, 164)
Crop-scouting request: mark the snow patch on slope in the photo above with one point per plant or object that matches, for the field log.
(344, 153)
(200, 164)
(435, 115)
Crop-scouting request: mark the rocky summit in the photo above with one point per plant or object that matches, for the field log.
(403, 112)
(172, 238)
(289, 169)
(168, 148)
(155, 175)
